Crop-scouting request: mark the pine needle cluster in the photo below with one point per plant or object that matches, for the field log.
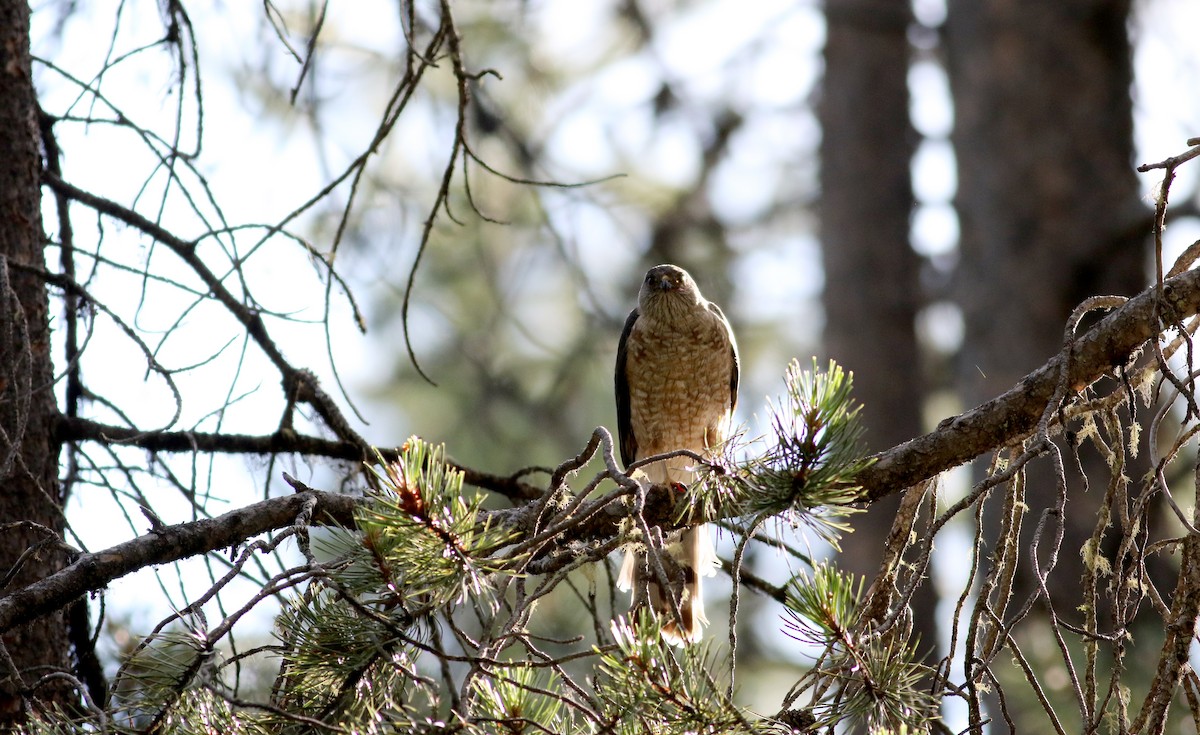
(356, 643)
(814, 453)
(421, 540)
(861, 675)
(647, 686)
(522, 698)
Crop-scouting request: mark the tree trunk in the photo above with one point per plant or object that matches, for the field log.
(1047, 197)
(30, 503)
(872, 290)
(1049, 212)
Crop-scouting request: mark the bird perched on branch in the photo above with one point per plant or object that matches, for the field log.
(676, 388)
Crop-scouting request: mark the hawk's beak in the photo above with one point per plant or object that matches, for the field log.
(666, 284)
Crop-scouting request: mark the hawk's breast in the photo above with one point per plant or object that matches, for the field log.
(679, 383)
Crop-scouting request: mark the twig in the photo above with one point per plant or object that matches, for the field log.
(171, 543)
(250, 319)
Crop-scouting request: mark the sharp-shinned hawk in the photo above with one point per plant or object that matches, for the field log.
(676, 388)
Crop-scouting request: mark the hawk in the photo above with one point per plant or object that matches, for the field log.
(676, 387)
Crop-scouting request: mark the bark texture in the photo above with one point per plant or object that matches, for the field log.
(30, 502)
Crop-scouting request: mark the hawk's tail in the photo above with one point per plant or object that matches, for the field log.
(691, 558)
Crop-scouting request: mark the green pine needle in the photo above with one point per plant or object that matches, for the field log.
(645, 685)
(822, 608)
(809, 472)
(420, 542)
(877, 680)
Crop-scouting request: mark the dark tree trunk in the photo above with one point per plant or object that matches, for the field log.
(1048, 206)
(1047, 197)
(30, 502)
(872, 290)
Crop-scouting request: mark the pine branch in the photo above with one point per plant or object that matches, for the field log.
(1015, 413)
(167, 544)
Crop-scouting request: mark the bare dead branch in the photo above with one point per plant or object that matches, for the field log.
(90, 572)
(295, 381)
(1180, 629)
(71, 428)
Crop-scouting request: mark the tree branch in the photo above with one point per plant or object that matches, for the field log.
(296, 382)
(71, 428)
(1015, 413)
(91, 572)
(1180, 629)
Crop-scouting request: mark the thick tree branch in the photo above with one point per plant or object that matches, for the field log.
(1015, 413)
(93, 571)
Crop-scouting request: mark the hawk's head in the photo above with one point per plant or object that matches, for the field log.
(668, 289)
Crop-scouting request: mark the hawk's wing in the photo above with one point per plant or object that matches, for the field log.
(733, 356)
(625, 437)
